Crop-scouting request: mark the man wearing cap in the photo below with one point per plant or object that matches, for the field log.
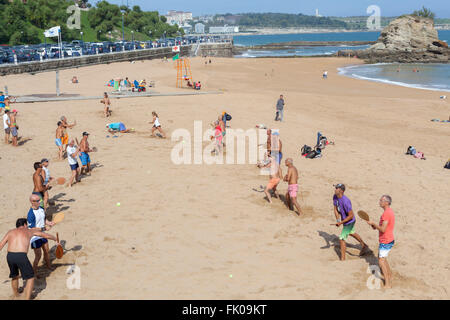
(46, 176)
(6, 122)
(13, 127)
(84, 155)
(343, 208)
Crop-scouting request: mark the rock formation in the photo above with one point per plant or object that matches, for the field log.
(407, 39)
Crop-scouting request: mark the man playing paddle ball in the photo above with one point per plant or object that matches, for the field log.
(343, 208)
(292, 179)
(386, 238)
(18, 243)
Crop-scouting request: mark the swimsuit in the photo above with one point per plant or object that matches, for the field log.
(293, 189)
(58, 142)
(14, 131)
(19, 261)
(65, 139)
(85, 159)
(273, 182)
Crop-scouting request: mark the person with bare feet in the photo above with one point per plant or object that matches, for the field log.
(65, 137)
(18, 241)
(13, 127)
(274, 179)
(36, 219)
(343, 208)
(84, 154)
(156, 125)
(72, 153)
(58, 139)
(47, 179)
(386, 238)
(107, 103)
(6, 124)
(292, 179)
(38, 181)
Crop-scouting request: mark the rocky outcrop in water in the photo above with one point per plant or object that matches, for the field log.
(407, 39)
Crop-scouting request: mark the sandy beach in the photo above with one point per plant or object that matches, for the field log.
(201, 231)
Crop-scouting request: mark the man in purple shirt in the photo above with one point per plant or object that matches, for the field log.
(343, 208)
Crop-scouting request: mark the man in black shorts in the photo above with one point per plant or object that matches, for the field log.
(18, 243)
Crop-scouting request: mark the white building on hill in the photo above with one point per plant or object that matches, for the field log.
(178, 17)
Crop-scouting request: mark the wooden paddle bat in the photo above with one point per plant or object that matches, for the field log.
(59, 249)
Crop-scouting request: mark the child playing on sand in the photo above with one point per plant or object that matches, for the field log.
(156, 125)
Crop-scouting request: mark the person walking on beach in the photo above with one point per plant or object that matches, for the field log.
(292, 179)
(39, 188)
(325, 74)
(65, 137)
(72, 153)
(36, 219)
(107, 103)
(6, 123)
(13, 127)
(47, 179)
(279, 109)
(386, 238)
(84, 154)
(58, 139)
(343, 208)
(274, 178)
(18, 241)
(156, 125)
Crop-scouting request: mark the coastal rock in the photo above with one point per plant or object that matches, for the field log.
(407, 39)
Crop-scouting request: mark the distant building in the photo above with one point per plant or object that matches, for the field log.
(226, 29)
(187, 28)
(199, 28)
(178, 17)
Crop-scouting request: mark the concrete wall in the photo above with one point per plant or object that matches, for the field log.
(215, 49)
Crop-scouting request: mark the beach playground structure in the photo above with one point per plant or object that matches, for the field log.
(183, 66)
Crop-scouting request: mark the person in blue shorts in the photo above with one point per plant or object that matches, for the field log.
(2, 100)
(84, 155)
(117, 127)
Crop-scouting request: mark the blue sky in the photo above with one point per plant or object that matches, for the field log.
(326, 7)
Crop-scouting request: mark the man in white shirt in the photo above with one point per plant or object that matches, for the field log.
(36, 219)
(72, 153)
(6, 124)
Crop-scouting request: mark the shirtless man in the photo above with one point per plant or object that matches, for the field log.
(276, 147)
(107, 104)
(84, 154)
(13, 127)
(18, 241)
(38, 181)
(292, 179)
(58, 139)
(274, 178)
(65, 138)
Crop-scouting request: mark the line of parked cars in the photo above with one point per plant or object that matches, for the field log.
(76, 48)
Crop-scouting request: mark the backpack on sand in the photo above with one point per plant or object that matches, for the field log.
(305, 150)
(411, 150)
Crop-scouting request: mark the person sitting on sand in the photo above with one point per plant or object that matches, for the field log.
(156, 125)
(198, 86)
(386, 238)
(107, 103)
(18, 241)
(117, 127)
(74, 79)
(343, 210)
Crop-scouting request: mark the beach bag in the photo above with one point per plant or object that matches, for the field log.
(447, 165)
(305, 150)
(228, 117)
(312, 154)
(411, 150)
(419, 155)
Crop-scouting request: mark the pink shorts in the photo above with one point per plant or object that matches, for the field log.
(293, 189)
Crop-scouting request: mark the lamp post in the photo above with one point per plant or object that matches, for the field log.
(82, 42)
(123, 32)
(132, 39)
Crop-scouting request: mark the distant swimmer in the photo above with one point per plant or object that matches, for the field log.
(18, 241)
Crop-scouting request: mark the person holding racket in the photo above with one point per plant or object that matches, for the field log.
(36, 219)
(18, 241)
(345, 216)
(386, 237)
(72, 153)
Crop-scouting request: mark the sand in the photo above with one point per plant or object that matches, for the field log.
(200, 231)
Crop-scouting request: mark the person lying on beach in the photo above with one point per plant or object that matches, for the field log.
(117, 127)
(107, 103)
(74, 79)
(18, 241)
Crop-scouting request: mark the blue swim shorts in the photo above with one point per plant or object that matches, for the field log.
(38, 243)
(85, 159)
(58, 142)
(384, 248)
